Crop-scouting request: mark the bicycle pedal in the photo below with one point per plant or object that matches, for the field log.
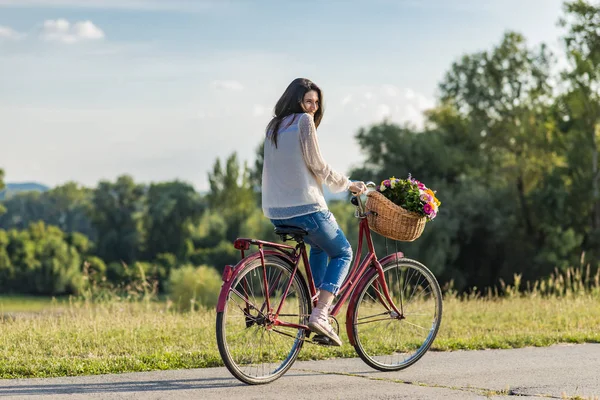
(322, 340)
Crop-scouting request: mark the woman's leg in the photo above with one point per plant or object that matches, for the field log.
(318, 264)
(330, 252)
(328, 239)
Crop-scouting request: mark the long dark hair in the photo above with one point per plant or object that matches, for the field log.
(291, 103)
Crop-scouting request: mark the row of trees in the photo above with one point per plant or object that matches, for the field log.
(127, 225)
(511, 148)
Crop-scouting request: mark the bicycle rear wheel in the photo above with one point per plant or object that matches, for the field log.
(390, 342)
(253, 348)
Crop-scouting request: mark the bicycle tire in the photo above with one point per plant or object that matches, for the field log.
(227, 341)
(365, 343)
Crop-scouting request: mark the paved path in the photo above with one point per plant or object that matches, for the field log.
(560, 372)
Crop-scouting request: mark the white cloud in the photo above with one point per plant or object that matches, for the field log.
(9, 33)
(87, 30)
(383, 111)
(424, 102)
(233, 86)
(390, 90)
(61, 30)
(385, 101)
(346, 99)
(413, 114)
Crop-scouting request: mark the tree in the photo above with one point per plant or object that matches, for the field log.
(117, 216)
(66, 206)
(456, 241)
(231, 194)
(172, 208)
(256, 172)
(581, 105)
(23, 209)
(494, 150)
(506, 95)
(507, 98)
(41, 260)
(70, 208)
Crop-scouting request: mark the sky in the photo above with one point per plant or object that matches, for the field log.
(94, 89)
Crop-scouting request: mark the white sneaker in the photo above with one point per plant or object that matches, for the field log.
(319, 323)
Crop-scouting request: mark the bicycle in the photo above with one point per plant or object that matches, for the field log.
(393, 315)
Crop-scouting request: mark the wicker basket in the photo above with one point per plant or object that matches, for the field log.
(391, 220)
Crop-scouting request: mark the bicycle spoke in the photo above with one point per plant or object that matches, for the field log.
(257, 350)
(405, 285)
(381, 298)
(394, 343)
(248, 303)
(374, 320)
(374, 315)
(401, 297)
(415, 325)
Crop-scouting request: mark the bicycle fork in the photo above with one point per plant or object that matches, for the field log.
(388, 302)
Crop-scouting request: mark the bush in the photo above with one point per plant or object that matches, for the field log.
(39, 260)
(219, 256)
(191, 286)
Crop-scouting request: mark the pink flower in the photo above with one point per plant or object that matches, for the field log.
(427, 209)
(418, 183)
(426, 197)
(387, 183)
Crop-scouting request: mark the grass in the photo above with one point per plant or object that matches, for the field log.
(19, 304)
(83, 337)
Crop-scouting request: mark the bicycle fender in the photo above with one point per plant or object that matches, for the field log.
(359, 288)
(238, 267)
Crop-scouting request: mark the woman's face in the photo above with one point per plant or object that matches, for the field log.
(310, 103)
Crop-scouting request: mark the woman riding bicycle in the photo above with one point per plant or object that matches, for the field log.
(292, 195)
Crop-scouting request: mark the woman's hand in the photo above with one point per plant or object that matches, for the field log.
(357, 188)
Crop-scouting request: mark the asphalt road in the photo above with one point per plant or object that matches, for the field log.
(561, 372)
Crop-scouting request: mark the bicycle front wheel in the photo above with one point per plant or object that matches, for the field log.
(389, 341)
(254, 348)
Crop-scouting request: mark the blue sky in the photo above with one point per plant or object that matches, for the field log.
(93, 89)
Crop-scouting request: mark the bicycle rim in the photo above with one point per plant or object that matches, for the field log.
(254, 350)
(386, 341)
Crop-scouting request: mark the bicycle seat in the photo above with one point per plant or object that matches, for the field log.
(293, 232)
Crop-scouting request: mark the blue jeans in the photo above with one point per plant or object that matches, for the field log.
(326, 240)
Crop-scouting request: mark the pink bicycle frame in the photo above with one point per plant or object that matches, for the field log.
(293, 255)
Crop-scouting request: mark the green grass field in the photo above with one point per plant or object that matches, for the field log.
(42, 338)
(19, 304)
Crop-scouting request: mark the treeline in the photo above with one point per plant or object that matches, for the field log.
(122, 229)
(511, 148)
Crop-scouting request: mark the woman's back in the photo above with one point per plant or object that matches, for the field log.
(290, 188)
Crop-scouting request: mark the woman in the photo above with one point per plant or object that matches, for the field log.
(292, 194)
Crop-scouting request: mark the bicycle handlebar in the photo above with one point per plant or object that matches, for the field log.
(361, 206)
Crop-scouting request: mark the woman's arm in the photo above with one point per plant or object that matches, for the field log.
(312, 156)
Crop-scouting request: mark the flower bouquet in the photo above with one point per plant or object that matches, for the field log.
(400, 208)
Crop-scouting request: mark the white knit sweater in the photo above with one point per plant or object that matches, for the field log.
(294, 172)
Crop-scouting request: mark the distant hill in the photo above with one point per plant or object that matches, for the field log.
(13, 188)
